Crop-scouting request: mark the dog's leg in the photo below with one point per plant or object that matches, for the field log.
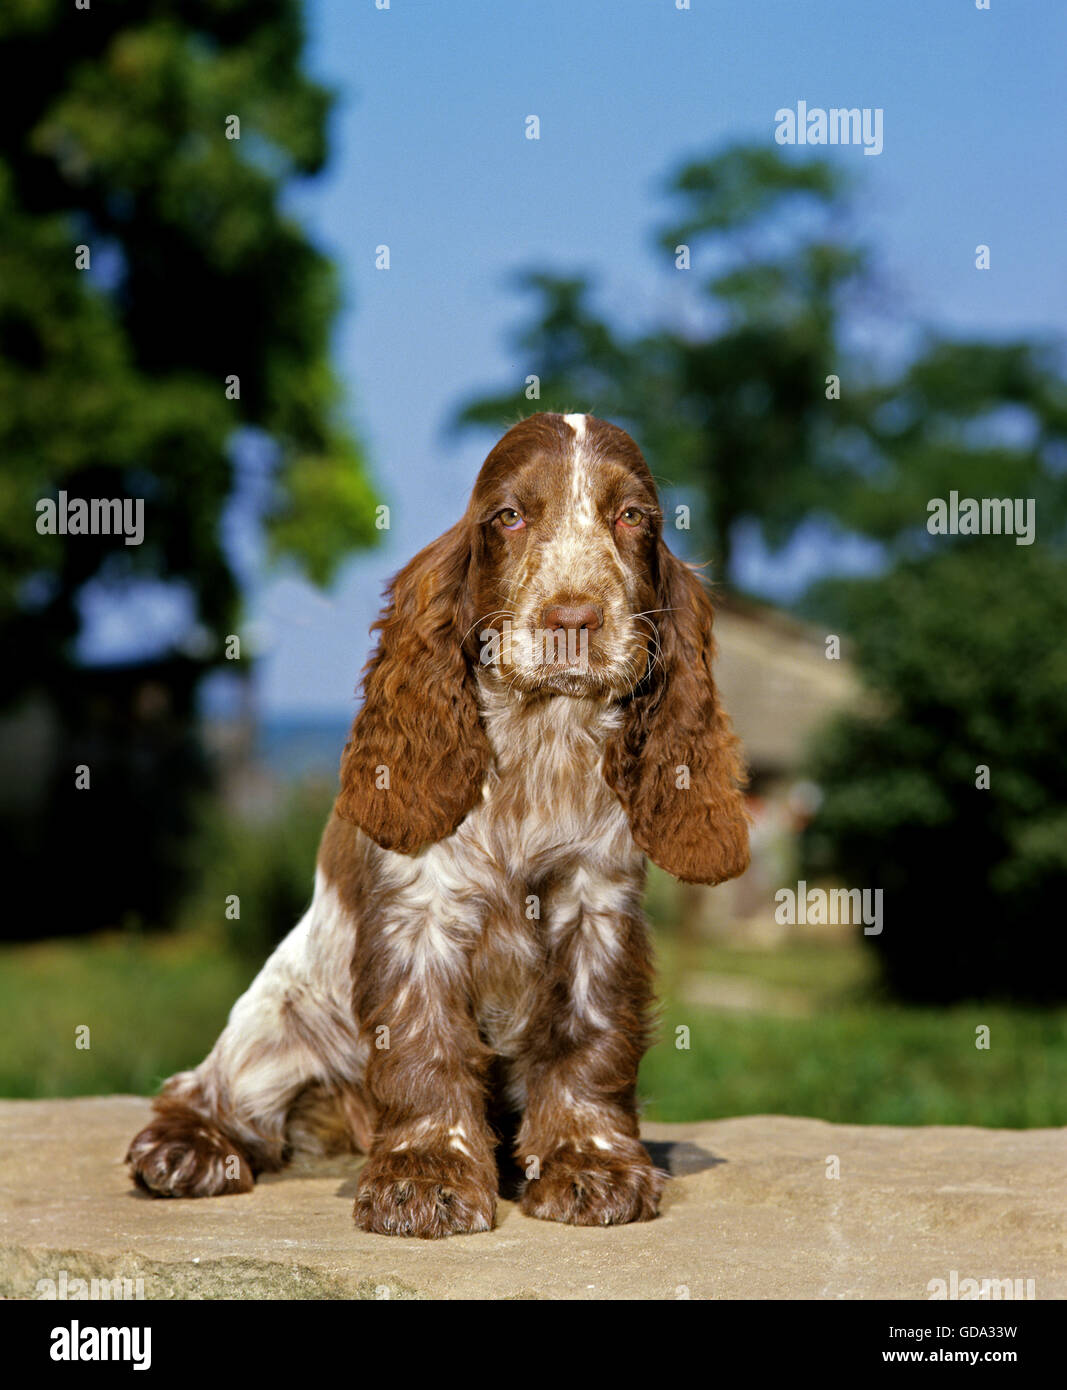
(432, 1170)
(218, 1126)
(579, 1142)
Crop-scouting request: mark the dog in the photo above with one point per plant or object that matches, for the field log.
(538, 716)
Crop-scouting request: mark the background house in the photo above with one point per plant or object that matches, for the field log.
(778, 684)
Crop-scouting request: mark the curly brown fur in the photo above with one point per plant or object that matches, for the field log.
(474, 972)
(182, 1154)
(676, 764)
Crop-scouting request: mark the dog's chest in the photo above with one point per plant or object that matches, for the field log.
(544, 859)
(562, 856)
(545, 801)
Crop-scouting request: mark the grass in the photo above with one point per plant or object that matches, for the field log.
(855, 1057)
(152, 1006)
(155, 1005)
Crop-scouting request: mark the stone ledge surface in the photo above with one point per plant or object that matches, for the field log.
(750, 1214)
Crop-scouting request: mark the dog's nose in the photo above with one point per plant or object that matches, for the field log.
(572, 617)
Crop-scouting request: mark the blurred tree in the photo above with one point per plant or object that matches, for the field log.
(980, 419)
(960, 645)
(203, 311)
(736, 400)
(964, 650)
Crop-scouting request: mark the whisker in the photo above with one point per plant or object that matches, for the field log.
(494, 612)
(513, 583)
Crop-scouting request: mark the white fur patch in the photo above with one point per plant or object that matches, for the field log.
(456, 1137)
(293, 1025)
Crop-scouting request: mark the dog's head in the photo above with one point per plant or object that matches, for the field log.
(556, 583)
(564, 521)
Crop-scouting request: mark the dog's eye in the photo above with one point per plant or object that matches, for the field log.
(510, 519)
(632, 516)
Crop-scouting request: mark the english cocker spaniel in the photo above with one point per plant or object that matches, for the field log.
(539, 715)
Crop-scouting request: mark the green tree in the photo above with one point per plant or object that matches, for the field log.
(204, 312)
(983, 419)
(950, 792)
(959, 644)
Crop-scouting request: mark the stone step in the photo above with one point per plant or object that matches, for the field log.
(751, 1213)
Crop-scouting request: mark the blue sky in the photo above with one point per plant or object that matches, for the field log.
(429, 156)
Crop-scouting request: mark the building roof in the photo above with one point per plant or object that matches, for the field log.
(777, 681)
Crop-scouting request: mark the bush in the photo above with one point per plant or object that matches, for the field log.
(965, 654)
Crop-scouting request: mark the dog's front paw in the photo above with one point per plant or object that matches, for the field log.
(182, 1154)
(427, 1194)
(594, 1187)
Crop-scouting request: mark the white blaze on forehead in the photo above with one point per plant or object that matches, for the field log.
(584, 513)
(577, 424)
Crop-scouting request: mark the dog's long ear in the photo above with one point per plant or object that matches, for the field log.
(417, 755)
(675, 763)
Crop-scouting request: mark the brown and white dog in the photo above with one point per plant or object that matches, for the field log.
(539, 715)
